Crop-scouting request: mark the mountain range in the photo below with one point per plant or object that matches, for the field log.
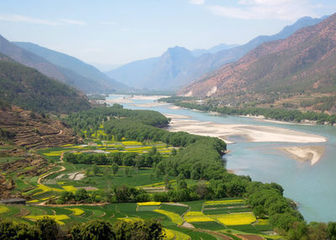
(301, 64)
(179, 66)
(60, 66)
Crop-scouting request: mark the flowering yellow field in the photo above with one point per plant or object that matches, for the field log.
(131, 219)
(235, 218)
(225, 202)
(57, 218)
(197, 217)
(149, 203)
(70, 188)
(174, 217)
(76, 211)
(171, 234)
(3, 209)
(53, 154)
(131, 143)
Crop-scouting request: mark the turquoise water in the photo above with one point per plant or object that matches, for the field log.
(312, 187)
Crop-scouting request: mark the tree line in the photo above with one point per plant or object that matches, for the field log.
(48, 229)
(281, 114)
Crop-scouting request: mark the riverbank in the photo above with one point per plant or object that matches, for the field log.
(250, 133)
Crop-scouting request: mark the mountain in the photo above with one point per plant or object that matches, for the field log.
(77, 66)
(65, 75)
(301, 64)
(161, 73)
(28, 88)
(215, 49)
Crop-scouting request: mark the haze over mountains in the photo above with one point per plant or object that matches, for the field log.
(304, 63)
(60, 66)
(179, 66)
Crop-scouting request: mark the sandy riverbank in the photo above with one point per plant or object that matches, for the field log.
(251, 133)
(310, 154)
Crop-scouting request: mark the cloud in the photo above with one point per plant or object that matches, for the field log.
(197, 2)
(72, 22)
(25, 19)
(266, 9)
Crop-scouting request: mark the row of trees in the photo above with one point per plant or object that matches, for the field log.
(118, 158)
(271, 113)
(92, 119)
(48, 229)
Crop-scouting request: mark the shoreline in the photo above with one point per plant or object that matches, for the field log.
(252, 133)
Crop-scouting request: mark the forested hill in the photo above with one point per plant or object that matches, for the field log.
(29, 89)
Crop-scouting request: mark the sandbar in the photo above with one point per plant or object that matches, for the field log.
(252, 133)
(310, 154)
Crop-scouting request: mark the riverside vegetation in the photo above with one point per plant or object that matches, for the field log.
(129, 171)
(281, 114)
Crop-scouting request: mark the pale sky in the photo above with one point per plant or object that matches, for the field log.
(113, 32)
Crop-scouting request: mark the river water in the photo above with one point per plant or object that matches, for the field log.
(312, 187)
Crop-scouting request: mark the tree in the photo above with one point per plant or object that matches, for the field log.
(332, 230)
(115, 168)
(93, 230)
(14, 231)
(48, 227)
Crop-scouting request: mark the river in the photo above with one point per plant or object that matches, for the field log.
(311, 186)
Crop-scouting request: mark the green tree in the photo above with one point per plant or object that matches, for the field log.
(49, 228)
(115, 168)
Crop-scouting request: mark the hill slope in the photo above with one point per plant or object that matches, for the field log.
(28, 88)
(77, 66)
(302, 64)
(169, 72)
(59, 73)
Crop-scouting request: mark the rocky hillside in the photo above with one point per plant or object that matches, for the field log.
(31, 130)
(300, 64)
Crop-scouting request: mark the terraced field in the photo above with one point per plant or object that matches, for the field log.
(173, 216)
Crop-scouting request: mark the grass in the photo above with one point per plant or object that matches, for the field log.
(213, 226)
(235, 218)
(225, 202)
(175, 218)
(174, 208)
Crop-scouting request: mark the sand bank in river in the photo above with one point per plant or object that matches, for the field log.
(251, 133)
(311, 154)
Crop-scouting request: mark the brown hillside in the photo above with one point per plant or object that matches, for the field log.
(302, 63)
(31, 130)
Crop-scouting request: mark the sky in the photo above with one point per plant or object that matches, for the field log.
(113, 32)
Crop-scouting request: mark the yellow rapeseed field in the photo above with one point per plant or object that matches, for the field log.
(53, 154)
(235, 218)
(131, 219)
(192, 216)
(69, 188)
(174, 217)
(172, 234)
(57, 218)
(149, 203)
(225, 202)
(3, 209)
(76, 211)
